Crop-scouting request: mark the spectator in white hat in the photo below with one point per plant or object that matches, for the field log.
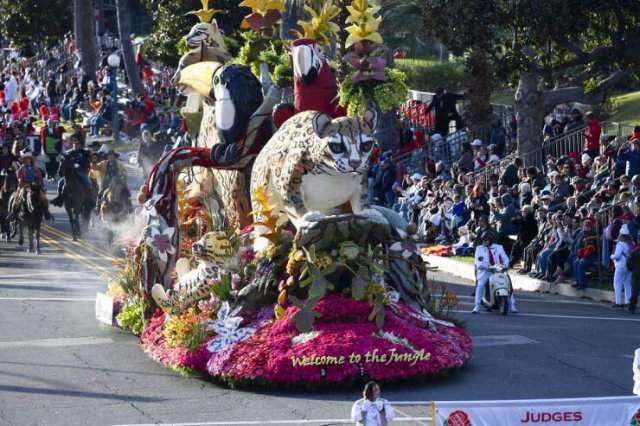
(622, 275)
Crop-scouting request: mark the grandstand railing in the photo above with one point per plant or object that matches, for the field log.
(617, 129)
(558, 146)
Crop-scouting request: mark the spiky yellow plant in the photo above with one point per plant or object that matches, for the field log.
(263, 6)
(364, 25)
(320, 26)
(205, 14)
(269, 218)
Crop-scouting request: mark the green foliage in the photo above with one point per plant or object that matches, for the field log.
(222, 288)
(558, 34)
(171, 24)
(131, 316)
(427, 76)
(29, 21)
(260, 49)
(318, 269)
(386, 95)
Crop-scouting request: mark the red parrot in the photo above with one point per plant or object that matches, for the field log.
(314, 85)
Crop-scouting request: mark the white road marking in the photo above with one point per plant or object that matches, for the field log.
(39, 274)
(51, 299)
(275, 422)
(57, 343)
(501, 340)
(554, 301)
(578, 317)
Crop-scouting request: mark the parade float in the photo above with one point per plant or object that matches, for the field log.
(261, 261)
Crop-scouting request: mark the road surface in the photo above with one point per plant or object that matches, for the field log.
(59, 366)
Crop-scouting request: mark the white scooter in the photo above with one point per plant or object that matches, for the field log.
(498, 293)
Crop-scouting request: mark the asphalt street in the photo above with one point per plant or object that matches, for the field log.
(59, 366)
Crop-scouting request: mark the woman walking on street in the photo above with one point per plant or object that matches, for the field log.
(622, 275)
(372, 410)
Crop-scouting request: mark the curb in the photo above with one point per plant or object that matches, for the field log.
(520, 282)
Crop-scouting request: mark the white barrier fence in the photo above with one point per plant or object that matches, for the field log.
(576, 411)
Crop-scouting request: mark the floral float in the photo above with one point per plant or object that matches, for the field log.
(300, 295)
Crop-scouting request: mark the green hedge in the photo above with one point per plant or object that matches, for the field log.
(427, 76)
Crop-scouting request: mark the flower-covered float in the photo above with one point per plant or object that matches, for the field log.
(261, 261)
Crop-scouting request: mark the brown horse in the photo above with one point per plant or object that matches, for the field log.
(115, 206)
(29, 214)
(77, 198)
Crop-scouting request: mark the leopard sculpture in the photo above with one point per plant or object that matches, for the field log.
(316, 164)
(212, 251)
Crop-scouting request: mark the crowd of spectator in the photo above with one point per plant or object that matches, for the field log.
(556, 221)
(45, 98)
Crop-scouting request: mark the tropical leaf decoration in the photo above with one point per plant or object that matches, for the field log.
(264, 14)
(320, 27)
(263, 6)
(364, 23)
(205, 14)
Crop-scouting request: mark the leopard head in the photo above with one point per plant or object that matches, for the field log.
(348, 140)
(215, 246)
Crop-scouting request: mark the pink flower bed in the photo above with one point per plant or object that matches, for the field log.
(344, 338)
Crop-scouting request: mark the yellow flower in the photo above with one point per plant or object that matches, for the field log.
(323, 260)
(263, 6)
(362, 32)
(319, 27)
(359, 9)
(364, 25)
(371, 290)
(279, 311)
(205, 14)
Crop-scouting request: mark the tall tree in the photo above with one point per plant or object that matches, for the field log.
(84, 24)
(558, 50)
(123, 11)
(21, 20)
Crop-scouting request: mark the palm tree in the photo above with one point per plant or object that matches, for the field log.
(124, 28)
(85, 35)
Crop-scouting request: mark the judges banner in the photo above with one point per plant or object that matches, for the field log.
(619, 411)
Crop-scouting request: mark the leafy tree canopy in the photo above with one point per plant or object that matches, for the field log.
(558, 39)
(26, 21)
(171, 24)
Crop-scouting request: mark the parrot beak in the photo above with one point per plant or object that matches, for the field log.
(305, 64)
(198, 78)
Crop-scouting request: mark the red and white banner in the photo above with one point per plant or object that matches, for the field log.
(619, 411)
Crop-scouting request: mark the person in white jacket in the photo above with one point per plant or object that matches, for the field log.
(372, 410)
(489, 254)
(622, 275)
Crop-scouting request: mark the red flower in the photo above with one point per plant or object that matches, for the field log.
(458, 418)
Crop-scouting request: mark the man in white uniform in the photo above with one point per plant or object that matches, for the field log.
(489, 254)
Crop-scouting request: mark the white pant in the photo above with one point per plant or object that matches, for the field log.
(482, 280)
(622, 281)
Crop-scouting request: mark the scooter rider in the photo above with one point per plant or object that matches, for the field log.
(489, 254)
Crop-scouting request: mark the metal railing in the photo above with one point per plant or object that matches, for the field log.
(447, 150)
(558, 146)
(617, 129)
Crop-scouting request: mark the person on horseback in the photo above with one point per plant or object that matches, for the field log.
(81, 163)
(28, 174)
(111, 175)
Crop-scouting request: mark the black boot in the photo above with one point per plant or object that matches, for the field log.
(58, 201)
